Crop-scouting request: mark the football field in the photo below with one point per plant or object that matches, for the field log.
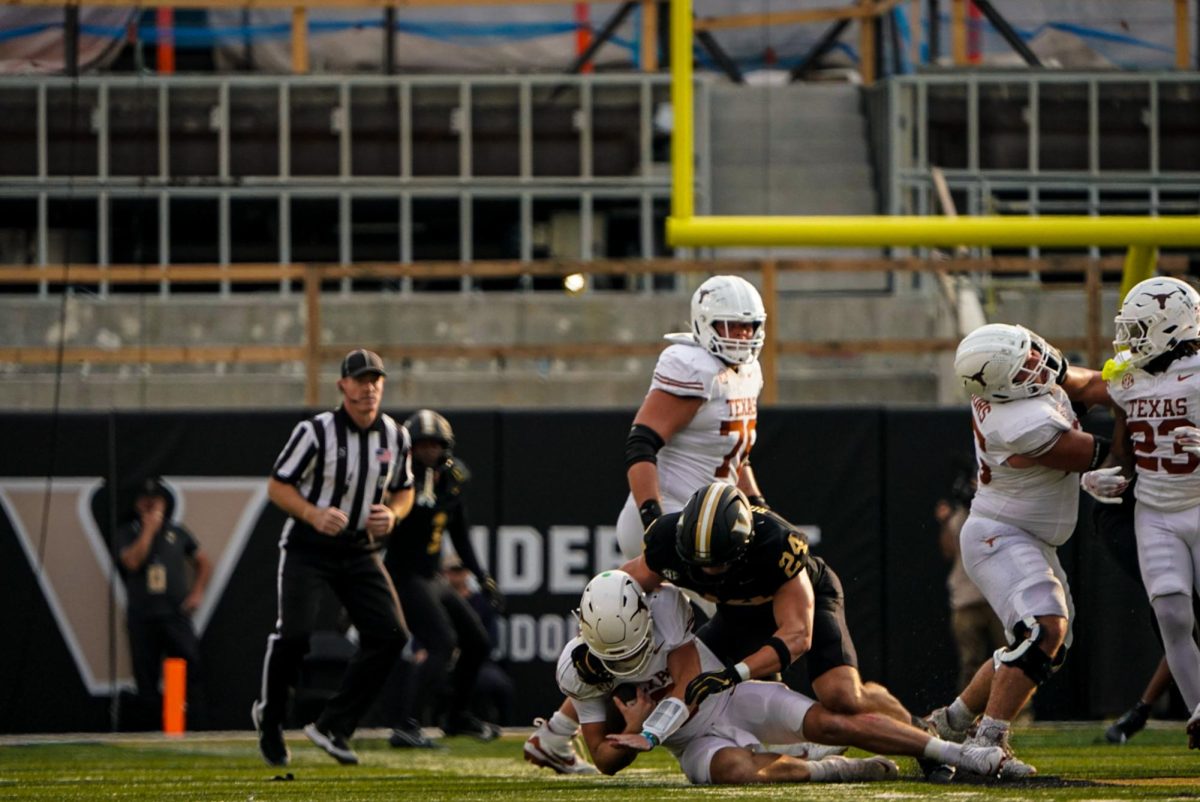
(1074, 765)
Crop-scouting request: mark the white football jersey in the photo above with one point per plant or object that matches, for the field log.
(1155, 405)
(671, 618)
(712, 446)
(1042, 501)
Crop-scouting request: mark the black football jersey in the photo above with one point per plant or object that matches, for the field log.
(415, 545)
(776, 554)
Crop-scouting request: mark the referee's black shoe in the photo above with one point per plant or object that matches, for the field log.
(466, 724)
(270, 739)
(334, 745)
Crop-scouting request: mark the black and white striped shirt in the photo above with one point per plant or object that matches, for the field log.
(333, 463)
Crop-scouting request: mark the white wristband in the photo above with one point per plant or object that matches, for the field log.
(742, 670)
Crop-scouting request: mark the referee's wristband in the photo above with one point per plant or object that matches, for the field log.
(651, 737)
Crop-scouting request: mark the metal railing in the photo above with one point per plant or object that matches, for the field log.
(1061, 119)
(106, 148)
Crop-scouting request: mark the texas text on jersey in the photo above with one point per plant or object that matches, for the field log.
(1155, 405)
(777, 553)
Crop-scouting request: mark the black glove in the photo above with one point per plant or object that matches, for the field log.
(492, 591)
(758, 501)
(704, 685)
(589, 667)
(650, 511)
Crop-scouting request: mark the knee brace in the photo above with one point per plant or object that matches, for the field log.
(1026, 655)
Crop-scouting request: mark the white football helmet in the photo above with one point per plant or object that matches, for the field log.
(1157, 315)
(728, 299)
(1000, 362)
(614, 622)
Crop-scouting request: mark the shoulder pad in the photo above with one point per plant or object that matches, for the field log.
(658, 543)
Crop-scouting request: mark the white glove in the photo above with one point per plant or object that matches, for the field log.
(1105, 484)
(1188, 439)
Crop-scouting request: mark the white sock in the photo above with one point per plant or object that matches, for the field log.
(959, 715)
(993, 729)
(825, 771)
(943, 751)
(562, 725)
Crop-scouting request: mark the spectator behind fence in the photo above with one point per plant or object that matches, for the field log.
(154, 555)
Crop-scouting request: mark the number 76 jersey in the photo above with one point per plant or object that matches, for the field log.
(714, 443)
(1155, 406)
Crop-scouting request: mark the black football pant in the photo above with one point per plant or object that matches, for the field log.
(152, 638)
(441, 622)
(362, 586)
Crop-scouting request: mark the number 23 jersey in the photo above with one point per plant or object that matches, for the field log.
(1155, 405)
(714, 443)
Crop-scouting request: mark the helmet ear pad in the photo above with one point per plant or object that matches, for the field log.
(715, 527)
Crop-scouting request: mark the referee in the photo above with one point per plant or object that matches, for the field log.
(344, 479)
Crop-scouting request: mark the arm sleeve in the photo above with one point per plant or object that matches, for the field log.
(684, 370)
(460, 536)
(297, 456)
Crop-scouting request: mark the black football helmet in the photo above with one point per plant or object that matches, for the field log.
(715, 527)
(425, 424)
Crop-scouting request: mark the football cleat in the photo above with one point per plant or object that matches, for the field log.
(1193, 729)
(1012, 768)
(410, 736)
(466, 724)
(1131, 722)
(939, 722)
(983, 760)
(551, 750)
(270, 739)
(334, 745)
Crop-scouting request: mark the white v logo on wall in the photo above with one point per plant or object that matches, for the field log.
(77, 567)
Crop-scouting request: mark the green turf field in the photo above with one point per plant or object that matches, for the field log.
(1074, 765)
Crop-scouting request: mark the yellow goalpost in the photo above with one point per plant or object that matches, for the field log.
(686, 229)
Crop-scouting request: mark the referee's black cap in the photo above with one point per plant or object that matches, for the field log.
(362, 361)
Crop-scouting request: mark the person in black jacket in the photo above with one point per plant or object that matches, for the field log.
(440, 619)
(154, 554)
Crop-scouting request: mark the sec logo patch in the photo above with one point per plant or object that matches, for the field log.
(1126, 381)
